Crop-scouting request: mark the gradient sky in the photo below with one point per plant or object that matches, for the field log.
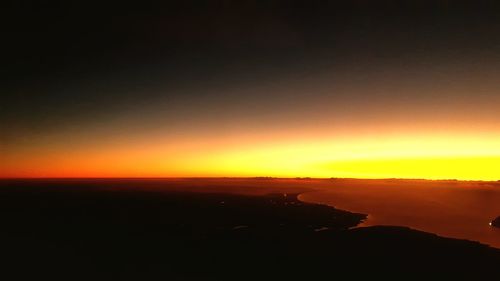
(368, 89)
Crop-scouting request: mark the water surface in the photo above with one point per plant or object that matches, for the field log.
(447, 208)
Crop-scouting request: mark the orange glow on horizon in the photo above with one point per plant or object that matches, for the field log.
(384, 122)
(370, 156)
(372, 119)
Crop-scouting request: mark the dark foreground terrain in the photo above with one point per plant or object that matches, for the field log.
(116, 230)
(496, 222)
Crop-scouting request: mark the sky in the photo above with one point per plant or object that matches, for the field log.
(363, 89)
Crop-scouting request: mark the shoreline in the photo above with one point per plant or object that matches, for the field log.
(135, 233)
(367, 223)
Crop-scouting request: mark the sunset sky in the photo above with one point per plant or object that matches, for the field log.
(284, 89)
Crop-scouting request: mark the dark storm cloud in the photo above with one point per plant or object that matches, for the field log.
(77, 62)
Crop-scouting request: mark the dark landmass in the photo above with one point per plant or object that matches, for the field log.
(145, 230)
(496, 222)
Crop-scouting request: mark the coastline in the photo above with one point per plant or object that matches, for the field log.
(129, 232)
(370, 222)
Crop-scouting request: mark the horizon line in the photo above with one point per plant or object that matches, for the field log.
(232, 177)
